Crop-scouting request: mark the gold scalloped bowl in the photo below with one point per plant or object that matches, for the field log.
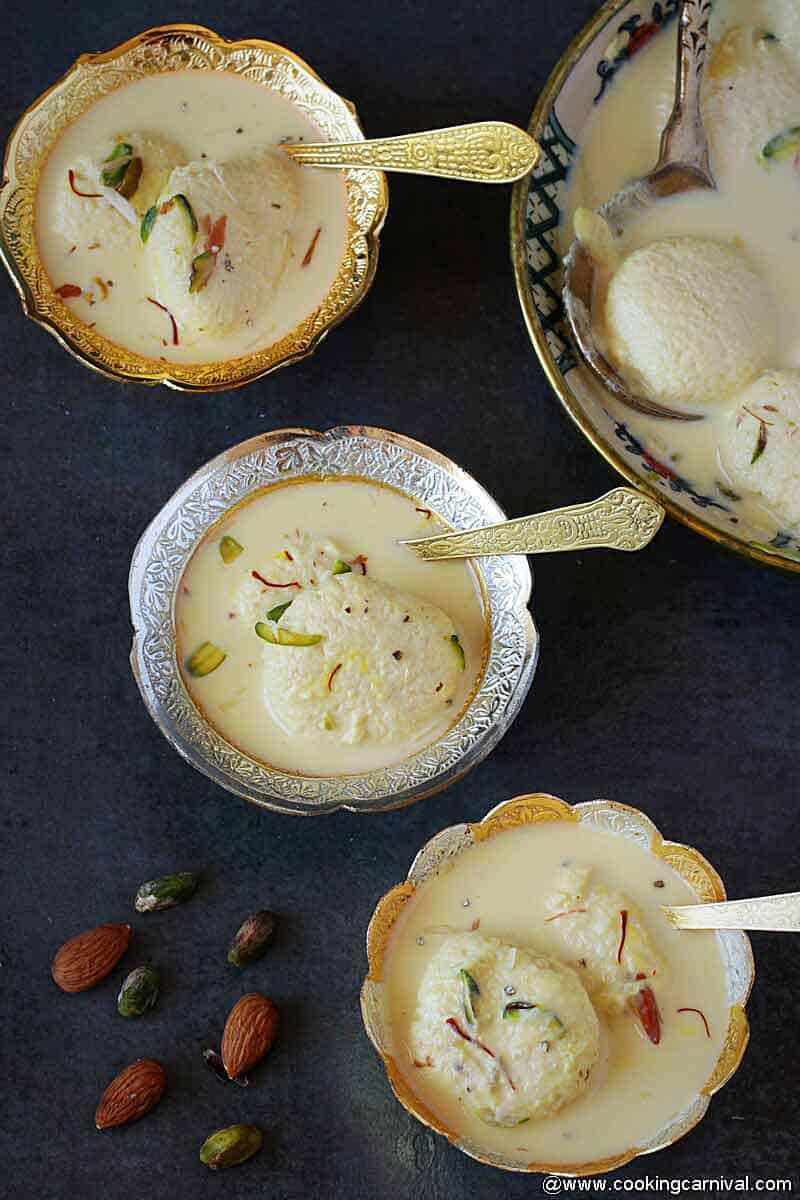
(393, 930)
(161, 51)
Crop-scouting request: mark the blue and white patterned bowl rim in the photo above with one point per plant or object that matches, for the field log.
(627, 27)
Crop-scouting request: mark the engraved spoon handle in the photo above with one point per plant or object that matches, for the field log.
(779, 914)
(623, 519)
(486, 152)
(684, 138)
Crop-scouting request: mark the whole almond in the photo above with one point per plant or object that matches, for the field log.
(249, 1033)
(86, 959)
(131, 1094)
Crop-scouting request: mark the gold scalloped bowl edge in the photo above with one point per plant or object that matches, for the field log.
(161, 50)
(535, 809)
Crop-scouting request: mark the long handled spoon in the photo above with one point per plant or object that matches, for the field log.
(485, 152)
(682, 167)
(778, 914)
(622, 519)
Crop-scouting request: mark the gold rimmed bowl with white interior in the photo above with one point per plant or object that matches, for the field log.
(168, 49)
(540, 809)
(292, 455)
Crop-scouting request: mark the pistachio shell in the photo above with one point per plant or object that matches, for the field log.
(165, 892)
(139, 992)
(214, 1062)
(253, 938)
(230, 1146)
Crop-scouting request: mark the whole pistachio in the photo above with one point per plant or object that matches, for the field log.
(230, 1146)
(252, 939)
(165, 892)
(139, 992)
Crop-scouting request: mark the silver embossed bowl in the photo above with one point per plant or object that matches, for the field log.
(351, 450)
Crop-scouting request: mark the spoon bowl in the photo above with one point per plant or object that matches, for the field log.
(682, 166)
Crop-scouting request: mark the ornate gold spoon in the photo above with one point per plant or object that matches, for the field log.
(682, 167)
(486, 152)
(623, 519)
(779, 914)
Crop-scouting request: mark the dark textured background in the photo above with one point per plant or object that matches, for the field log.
(667, 679)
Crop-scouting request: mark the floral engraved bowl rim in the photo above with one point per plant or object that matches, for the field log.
(160, 50)
(543, 312)
(537, 808)
(345, 451)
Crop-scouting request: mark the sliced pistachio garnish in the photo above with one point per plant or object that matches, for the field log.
(458, 650)
(205, 659)
(555, 1026)
(148, 221)
(131, 179)
(286, 637)
(185, 207)
(229, 549)
(202, 270)
(115, 166)
(471, 993)
(783, 145)
(340, 567)
(122, 170)
(277, 612)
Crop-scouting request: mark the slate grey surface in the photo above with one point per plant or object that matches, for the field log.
(667, 679)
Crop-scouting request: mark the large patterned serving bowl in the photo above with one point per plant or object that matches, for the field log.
(578, 83)
(167, 49)
(621, 821)
(350, 451)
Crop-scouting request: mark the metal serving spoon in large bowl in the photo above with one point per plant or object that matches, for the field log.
(682, 166)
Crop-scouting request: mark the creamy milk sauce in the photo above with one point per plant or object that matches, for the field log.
(637, 1086)
(620, 142)
(361, 518)
(211, 115)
